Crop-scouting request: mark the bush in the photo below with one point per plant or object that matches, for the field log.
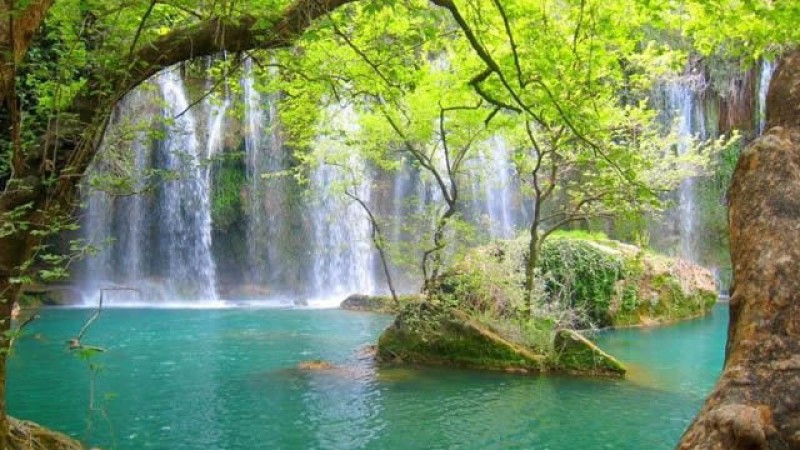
(582, 275)
(226, 200)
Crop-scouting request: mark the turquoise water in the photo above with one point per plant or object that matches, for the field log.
(226, 379)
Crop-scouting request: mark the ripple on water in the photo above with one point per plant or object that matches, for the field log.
(185, 379)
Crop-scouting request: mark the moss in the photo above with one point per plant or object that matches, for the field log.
(662, 297)
(427, 334)
(601, 282)
(582, 274)
(580, 234)
(575, 353)
(226, 196)
(378, 303)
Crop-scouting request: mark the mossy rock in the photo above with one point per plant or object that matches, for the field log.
(27, 435)
(378, 303)
(597, 281)
(428, 334)
(573, 353)
(50, 295)
(667, 290)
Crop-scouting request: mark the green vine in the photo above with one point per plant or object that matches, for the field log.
(582, 275)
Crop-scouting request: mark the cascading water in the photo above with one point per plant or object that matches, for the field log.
(343, 256)
(117, 226)
(215, 122)
(265, 153)
(132, 240)
(96, 231)
(185, 206)
(177, 218)
(498, 189)
(402, 191)
(683, 107)
(765, 76)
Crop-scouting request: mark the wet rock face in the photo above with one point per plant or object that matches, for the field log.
(783, 98)
(756, 401)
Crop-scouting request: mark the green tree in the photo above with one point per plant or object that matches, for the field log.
(570, 72)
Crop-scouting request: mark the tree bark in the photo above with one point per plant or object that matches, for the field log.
(18, 26)
(533, 259)
(756, 402)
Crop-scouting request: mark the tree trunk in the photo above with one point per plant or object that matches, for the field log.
(756, 402)
(378, 241)
(533, 252)
(19, 21)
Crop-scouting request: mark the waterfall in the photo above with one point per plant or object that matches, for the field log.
(402, 189)
(178, 218)
(215, 122)
(255, 154)
(117, 225)
(132, 210)
(293, 240)
(498, 188)
(765, 76)
(265, 154)
(343, 255)
(185, 225)
(96, 231)
(683, 107)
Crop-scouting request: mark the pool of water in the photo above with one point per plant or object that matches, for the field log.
(227, 379)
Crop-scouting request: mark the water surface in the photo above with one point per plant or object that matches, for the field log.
(226, 379)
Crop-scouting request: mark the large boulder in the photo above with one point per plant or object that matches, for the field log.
(378, 303)
(428, 334)
(592, 281)
(433, 335)
(618, 284)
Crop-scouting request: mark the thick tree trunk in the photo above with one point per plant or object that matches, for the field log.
(756, 402)
(19, 21)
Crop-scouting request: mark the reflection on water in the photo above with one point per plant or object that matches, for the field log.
(228, 379)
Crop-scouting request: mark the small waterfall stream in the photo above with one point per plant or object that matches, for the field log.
(263, 149)
(766, 70)
(132, 239)
(185, 208)
(683, 108)
(498, 190)
(343, 254)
